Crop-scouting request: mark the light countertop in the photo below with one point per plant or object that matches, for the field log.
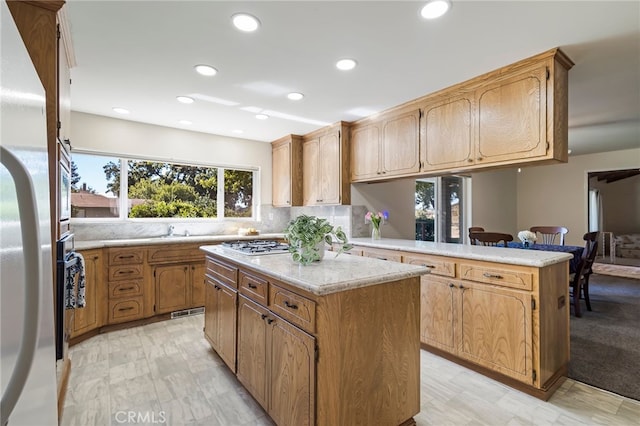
(513, 256)
(142, 241)
(331, 275)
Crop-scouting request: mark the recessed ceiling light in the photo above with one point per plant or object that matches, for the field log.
(185, 122)
(435, 9)
(245, 22)
(206, 70)
(185, 99)
(346, 64)
(295, 96)
(262, 116)
(238, 131)
(120, 110)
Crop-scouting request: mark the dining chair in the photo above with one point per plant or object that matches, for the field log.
(579, 281)
(549, 233)
(474, 229)
(491, 238)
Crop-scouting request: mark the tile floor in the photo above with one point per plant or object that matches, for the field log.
(166, 373)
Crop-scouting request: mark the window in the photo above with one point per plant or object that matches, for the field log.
(440, 209)
(156, 189)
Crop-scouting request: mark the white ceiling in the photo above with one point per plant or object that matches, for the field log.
(140, 55)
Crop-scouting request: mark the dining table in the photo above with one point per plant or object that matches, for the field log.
(576, 251)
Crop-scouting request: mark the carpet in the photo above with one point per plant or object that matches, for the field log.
(605, 343)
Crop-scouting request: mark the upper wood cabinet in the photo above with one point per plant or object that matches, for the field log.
(325, 166)
(287, 171)
(66, 60)
(386, 147)
(514, 115)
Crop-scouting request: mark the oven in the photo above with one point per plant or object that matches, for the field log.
(67, 276)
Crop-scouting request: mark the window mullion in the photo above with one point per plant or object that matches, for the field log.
(220, 193)
(124, 189)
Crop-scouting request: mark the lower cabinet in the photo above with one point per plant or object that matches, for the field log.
(90, 316)
(179, 287)
(276, 363)
(220, 319)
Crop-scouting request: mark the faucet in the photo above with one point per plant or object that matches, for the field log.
(170, 232)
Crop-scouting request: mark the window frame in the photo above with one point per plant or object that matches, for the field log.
(123, 197)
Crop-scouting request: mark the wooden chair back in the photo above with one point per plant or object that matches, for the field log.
(579, 282)
(474, 229)
(549, 233)
(491, 238)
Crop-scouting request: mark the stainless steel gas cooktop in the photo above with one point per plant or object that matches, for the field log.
(257, 247)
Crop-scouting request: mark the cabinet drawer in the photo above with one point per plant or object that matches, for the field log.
(126, 256)
(174, 254)
(125, 289)
(437, 266)
(296, 309)
(225, 272)
(125, 272)
(254, 288)
(498, 275)
(391, 255)
(125, 310)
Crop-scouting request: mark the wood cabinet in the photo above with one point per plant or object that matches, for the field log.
(125, 274)
(325, 166)
(386, 147)
(90, 317)
(287, 171)
(495, 317)
(221, 304)
(179, 287)
(307, 359)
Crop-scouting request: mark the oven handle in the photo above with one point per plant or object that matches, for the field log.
(29, 225)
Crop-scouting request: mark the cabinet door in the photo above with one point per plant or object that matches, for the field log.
(512, 123)
(365, 151)
(281, 167)
(401, 144)
(310, 172)
(252, 348)
(438, 301)
(448, 134)
(227, 311)
(197, 285)
(64, 90)
(172, 288)
(211, 312)
(292, 374)
(330, 164)
(495, 329)
(89, 317)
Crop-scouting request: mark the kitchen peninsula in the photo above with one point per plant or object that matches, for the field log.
(503, 312)
(335, 342)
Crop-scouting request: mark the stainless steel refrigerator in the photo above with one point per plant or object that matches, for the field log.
(27, 349)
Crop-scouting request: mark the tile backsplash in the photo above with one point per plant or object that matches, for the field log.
(274, 220)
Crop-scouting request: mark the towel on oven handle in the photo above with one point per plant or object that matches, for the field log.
(72, 299)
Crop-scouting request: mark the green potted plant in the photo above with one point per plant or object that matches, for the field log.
(308, 234)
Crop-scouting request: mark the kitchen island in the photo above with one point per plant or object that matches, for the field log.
(503, 312)
(333, 343)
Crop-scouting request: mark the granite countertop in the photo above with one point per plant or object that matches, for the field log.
(513, 256)
(331, 275)
(142, 241)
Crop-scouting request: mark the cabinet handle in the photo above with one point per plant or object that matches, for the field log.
(216, 287)
(270, 320)
(451, 285)
(125, 309)
(488, 275)
(461, 286)
(479, 158)
(125, 288)
(290, 305)
(263, 316)
(253, 286)
(126, 257)
(470, 160)
(428, 266)
(129, 271)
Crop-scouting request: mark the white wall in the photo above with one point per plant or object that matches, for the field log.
(398, 197)
(495, 201)
(620, 204)
(557, 194)
(124, 137)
